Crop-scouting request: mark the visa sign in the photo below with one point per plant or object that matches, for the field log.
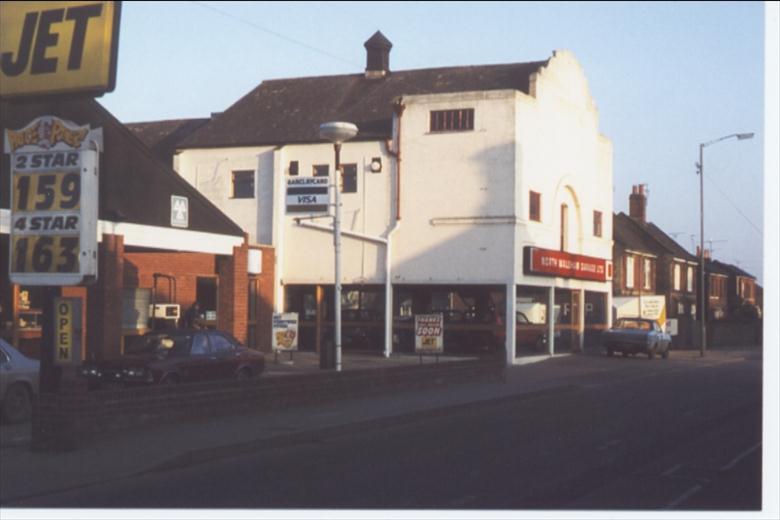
(58, 47)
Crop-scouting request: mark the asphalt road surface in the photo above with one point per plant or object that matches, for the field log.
(639, 435)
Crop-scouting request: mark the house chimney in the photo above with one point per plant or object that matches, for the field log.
(637, 203)
(377, 56)
(707, 253)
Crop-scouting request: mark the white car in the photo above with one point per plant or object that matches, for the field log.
(18, 383)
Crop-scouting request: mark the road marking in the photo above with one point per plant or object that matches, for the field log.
(740, 457)
(671, 470)
(685, 496)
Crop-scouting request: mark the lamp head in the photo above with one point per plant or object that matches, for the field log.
(745, 136)
(338, 131)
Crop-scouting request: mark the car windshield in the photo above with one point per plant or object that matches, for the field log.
(633, 324)
(161, 345)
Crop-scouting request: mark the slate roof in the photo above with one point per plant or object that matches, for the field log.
(286, 111)
(649, 235)
(161, 137)
(731, 269)
(134, 185)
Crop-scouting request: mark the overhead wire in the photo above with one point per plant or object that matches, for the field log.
(274, 33)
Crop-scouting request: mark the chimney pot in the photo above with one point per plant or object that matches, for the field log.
(637, 203)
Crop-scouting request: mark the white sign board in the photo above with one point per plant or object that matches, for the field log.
(284, 335)
(671, 327)
(180, 211)
(307, 194)
(429, 333)
(651, 307)
(54, 202)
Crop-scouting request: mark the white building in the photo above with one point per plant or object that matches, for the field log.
(483, 192)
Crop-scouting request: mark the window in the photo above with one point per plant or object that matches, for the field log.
(293, 168)
(690, 279)
(244, 184)
(200, 345)
(535, 206)
(349, 178)
(646, 273)
(597, 223)
(452, 120)
(629, 272)
(220, 345)
(320, 170)
(676, 275)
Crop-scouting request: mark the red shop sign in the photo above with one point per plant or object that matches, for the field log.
(566, 265)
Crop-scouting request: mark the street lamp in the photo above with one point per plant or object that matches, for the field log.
(702, 301)
(336, 133)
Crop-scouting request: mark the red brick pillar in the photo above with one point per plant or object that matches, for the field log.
(104, 301)
(232, 293)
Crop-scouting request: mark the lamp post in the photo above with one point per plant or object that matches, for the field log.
(336, 133)
(703, 296)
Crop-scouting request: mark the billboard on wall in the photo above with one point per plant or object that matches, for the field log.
(54, 202)
(566, 265)
(58, 47)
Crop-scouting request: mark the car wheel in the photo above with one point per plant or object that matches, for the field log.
(244, 375)
(610, 352)
(650, 353)
(625, 353)
(17, 404)
(540, 343)
(665, 355)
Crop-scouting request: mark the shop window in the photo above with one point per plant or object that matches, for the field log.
(535, 206)
(349, 178)
(597, 223)
(452, 120)
(629, 272)
(320, 170)
(244, 184)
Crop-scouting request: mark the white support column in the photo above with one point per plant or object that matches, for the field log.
(551, 320)
(581, 319)
(277, 233)
(511, 329)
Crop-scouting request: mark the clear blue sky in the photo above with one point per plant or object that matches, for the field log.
(665, 77)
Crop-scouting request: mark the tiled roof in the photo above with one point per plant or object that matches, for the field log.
(162, 136)
(291, 110)
(731, 269)
(135, 187)
(664, 244)
(627, 234)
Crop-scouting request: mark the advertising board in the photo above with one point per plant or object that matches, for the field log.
(284, 332)
(566, 265)
(54, 202)
(58, 47)
(429, 333)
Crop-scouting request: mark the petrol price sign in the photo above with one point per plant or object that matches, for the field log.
(54, 179)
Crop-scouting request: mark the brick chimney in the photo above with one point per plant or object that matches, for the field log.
(637, 203)
(377, 56)
(707, 253)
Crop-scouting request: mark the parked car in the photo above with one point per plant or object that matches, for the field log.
(177, 356)
(635, 336)
(18, 383)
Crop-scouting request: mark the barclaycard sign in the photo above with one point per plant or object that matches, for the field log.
(54, 202)
(58, 47)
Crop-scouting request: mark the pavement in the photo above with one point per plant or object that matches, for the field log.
(24, 473)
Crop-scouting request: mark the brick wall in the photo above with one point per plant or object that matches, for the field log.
(232, 293)
(74, 417)
(265, 305)
(185, 267)
(104, 301)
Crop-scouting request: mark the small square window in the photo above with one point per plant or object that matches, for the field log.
(535, 206)
(293, 168)
(244, 184)
(321, 170)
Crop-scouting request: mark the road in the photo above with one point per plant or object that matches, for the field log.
(634, 434)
